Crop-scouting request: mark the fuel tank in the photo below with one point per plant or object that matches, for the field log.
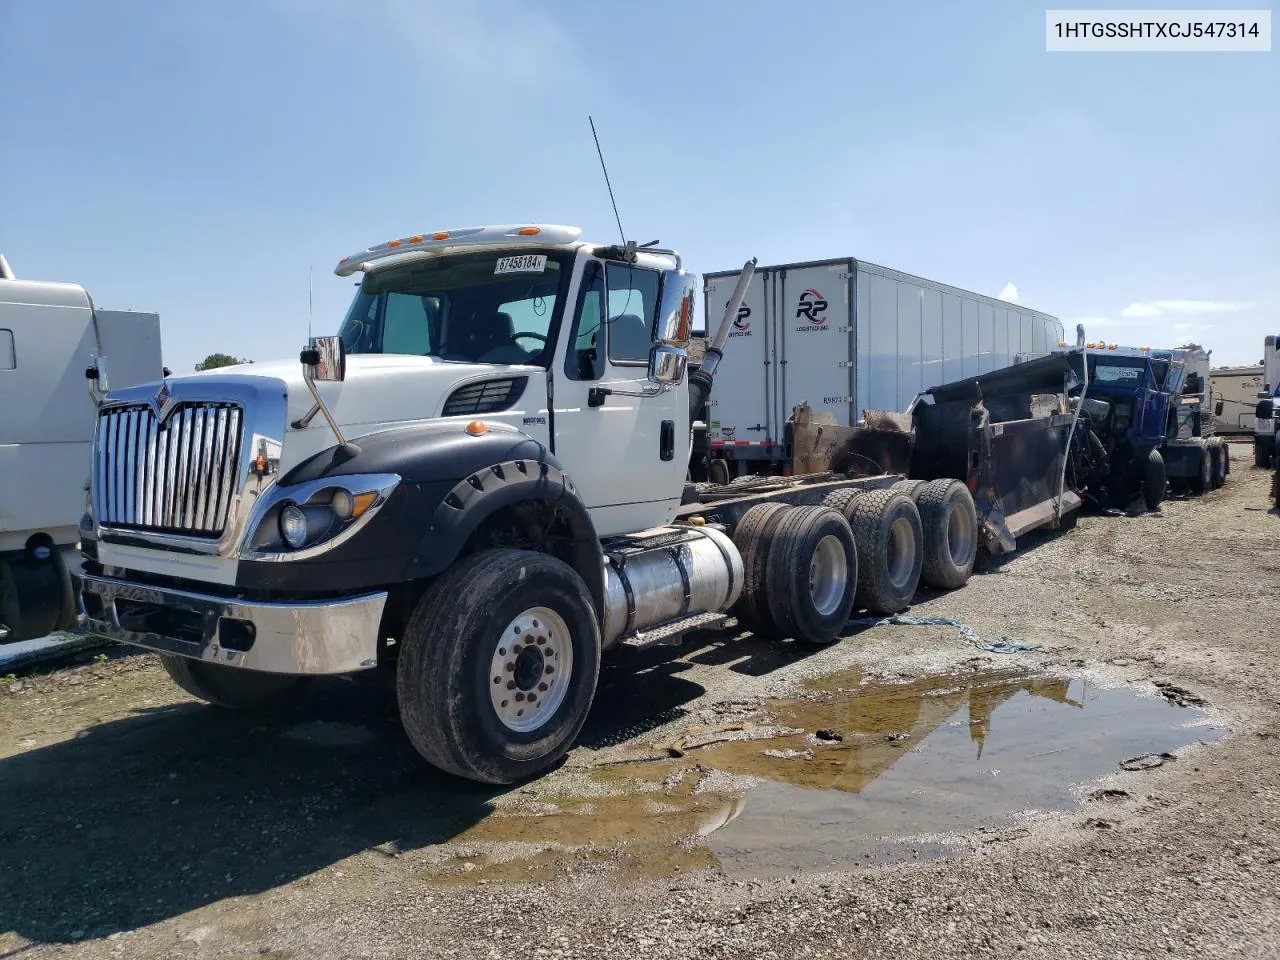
(668, 574)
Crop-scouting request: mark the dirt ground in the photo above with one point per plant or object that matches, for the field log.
(704, 813)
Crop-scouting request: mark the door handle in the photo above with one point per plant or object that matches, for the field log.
(667, 440)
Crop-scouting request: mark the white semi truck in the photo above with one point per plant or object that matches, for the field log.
(481, 482)
(844, 336)
(1267, 411)
(51, 336)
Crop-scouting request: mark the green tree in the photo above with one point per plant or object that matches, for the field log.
(215, 360)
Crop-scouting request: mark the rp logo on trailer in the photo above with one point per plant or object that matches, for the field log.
(742, 322)
(813, 307)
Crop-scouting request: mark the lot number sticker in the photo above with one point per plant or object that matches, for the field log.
(526, 263)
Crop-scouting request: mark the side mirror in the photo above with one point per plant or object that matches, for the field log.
(667, 364)
(97, 376)
(325, 359)
(675, 312)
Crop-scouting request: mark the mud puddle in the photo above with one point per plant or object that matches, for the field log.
(853, 772)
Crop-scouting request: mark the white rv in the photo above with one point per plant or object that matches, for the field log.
(52, 337)
(1237, 388)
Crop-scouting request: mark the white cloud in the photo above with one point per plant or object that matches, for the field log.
(1009, 293)
(1140, 310)
(1185, 307)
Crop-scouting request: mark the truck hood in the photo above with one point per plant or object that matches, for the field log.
(378, 387)
(380, 391)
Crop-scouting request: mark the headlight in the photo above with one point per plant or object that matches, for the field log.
(299, 520)
(293, 526)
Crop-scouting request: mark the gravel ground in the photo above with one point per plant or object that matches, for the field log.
(137, 823)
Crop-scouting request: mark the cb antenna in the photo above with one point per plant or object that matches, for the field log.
(309, 272)
(605, 169)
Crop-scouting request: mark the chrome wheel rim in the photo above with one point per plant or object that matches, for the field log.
(828, 575)
(902, 552)
(959, 537)
(530, 669)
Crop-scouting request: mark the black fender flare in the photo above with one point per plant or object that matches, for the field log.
(489, 489)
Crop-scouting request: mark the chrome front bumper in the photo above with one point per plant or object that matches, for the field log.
(323, 637)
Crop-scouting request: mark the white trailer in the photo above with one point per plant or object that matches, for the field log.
(51, 336)
(1237, 388)
(846, 336)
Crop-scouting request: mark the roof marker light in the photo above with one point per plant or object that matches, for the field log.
(1111, 346)
(528, 231)
(477, 428)
(395, 243)
(417, 238)
(442, 235)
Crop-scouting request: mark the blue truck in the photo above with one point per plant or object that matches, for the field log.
(1150, 423)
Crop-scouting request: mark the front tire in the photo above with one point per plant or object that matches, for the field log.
(231, 688)
(1154, 480)
(498, 666)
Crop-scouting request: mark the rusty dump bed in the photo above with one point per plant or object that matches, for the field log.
(1003, 433)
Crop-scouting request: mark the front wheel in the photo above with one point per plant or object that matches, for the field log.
(498, 666)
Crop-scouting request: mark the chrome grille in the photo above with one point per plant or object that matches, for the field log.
(177, 478)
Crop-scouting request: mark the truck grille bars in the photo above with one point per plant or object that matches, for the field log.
(176, 475)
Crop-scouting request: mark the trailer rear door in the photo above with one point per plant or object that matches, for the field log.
(816, 349)
(738, 410)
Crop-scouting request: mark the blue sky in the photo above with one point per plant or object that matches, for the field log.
(197, 158)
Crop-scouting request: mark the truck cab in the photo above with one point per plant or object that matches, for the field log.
(1150, 411)
(1267, 412)
(51, 335)
(510, 391)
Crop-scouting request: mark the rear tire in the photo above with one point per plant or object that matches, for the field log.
(888, 533)
(1203, 478)
(842, 500)
(949, 521)
(1215, 464)
(1154, 480)
(718, 472)
(912, 488)
(1261, 457)
(232, 688)
(1221, 463)
(811, 575)
(479, 665)
(752, 536)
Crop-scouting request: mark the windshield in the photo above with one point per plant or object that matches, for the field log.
(476, 308)
(1123, 372)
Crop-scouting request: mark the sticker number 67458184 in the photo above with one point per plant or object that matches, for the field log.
(525, 263)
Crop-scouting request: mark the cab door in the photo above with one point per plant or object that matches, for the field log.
(625, 454)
